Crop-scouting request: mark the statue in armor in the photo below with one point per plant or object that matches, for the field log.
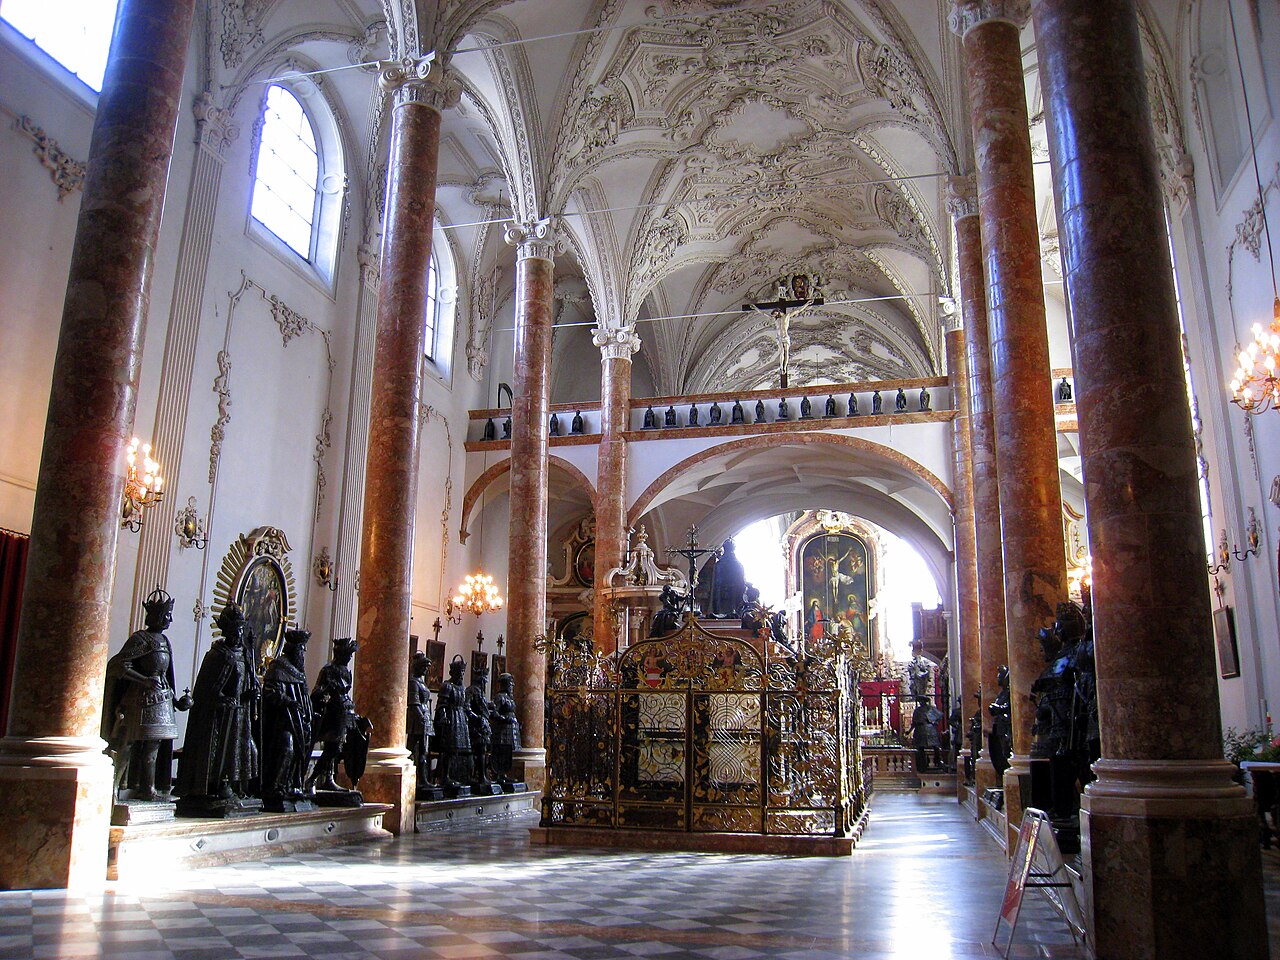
(453, 733)
(478, 710)
(667, 620)
(286, 727)
(1000, 740)
(138, 720)
(728, 584)
(219, 761)
(506, 732)
(919, 673)
(342, 732)
(420, 728)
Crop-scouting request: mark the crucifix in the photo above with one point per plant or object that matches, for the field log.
(692, 552)
(794, 295)
(437, 627)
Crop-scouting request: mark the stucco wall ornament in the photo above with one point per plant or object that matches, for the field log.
(241, 30)
(215, 128)
(66, 173)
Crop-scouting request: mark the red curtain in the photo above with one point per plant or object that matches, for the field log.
(13, 567)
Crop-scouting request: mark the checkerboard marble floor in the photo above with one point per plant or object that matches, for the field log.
(925, 882)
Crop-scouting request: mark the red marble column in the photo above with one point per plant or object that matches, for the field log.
(527, 552)
(1035, 563)
(420, 91)
(55, 783)
(616, 347)
(993, 650)
(1170, 842)
(966, 549)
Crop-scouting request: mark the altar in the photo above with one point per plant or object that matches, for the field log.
(703, 741)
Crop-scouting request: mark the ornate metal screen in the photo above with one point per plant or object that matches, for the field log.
(701, 732)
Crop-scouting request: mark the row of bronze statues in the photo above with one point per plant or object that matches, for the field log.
(737, 414)
(472, 739)
(249, 739)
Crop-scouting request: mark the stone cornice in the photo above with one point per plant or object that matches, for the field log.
(532, 238)
(616, 343)
(967, 14)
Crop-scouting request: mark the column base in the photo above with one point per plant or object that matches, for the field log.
(984, 779)
(961, 758)
(56, 796)
(391, 778)
(530, 765)
(1171, 859)
(1017, 796)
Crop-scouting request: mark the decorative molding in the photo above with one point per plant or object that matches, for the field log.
(967, 14)
(484, 295)
(222, 387)
(532, 238)
(241, 29)
(616, 343)
(323, 442)
(422, 80)
(962, 197)
(66, 173)
(370, 261)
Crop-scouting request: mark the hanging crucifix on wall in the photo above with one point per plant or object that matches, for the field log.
(794, 295)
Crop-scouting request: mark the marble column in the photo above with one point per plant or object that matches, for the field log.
(527, 551)
(1170, 842)
(55, 782)
(616, 345)
(1035, 564)
(966, 549)
(993, 651)
(420, 91)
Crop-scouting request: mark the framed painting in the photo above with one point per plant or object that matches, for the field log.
(499, 666)
(834, 573)
(584, 563)
(435, 675)
(1224, 632)
(263, 598)
(479, 661)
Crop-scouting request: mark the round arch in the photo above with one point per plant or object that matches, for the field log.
(566, 471)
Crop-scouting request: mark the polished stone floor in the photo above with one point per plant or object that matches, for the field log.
(925, 882)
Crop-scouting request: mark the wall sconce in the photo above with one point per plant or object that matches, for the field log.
(142, 485)
(326, 571)
(189, 527)
(1253, 537)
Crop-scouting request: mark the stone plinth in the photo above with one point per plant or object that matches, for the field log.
(440, 814)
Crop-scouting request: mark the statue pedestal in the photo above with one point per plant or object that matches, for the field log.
(337, 798)
(428, 792)
(391, 778)
(126, 812)
(444, 813)
(288, 805)
(515, 787)
(485, 788)
(218, 808)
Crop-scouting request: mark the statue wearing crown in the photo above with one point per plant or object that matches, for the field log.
(138, 716)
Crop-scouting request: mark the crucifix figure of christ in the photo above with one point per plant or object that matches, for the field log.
(692, 552)
(794, 295)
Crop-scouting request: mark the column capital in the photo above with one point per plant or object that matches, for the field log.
(962, 197)
(423, 80)
(950, 317)
(967, 14)
(616, 343)
(532, 238)
(370, 260)
(215, 129)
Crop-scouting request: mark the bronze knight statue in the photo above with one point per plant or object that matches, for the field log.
(420, 728)
(286, 727)
(342, 732)
(478, 710)
(453, 733)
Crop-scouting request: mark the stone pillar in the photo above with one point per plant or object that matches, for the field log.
(420, 91)
(527, 553)
(616, 347)
(214, 134)
(1170, 842)
(1035, 562)
(966, 549)
(993, 650)
(55, 782)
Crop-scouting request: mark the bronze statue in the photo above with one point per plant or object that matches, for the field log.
(829, 409)
(877, 403)
(219, 761)
(490, 430)
(576, 426)
(736, 413)
(715, 416)
(286, 727)
(1064, 391)
(760, 417)
(138, 719)
(693, 415)
(478, 710)
(1000, 739)
(900, 401)
(669, 418)
(420, 728)
(853, 405)
(453, 734)
(554, 428)
(650, 419)
(506, 428)
(924, 399)
(506, 734)
(667, 620)
(342, 731)
(806, 408)
(784, 412)
(728, 582)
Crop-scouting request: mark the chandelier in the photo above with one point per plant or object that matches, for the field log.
(477, 594)
(1255, 388)
(142, 485)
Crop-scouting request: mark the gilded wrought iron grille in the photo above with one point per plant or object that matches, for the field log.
(705, 733)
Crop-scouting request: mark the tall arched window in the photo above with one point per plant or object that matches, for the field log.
(431, 315)
(75, 33)
(287, 175)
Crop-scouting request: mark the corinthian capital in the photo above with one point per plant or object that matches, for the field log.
(967, 14)
(214, 127)
(962, 197)
(422, 80)
(532, 238)
(616, 343)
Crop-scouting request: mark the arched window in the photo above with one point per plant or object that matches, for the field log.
(299, 179)
(75, 33)
(431, 315)
(288, 172)
(438, 314)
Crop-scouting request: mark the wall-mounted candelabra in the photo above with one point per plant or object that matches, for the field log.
(142, 485)
(1253, 538)
(189, 527)
(325, 569)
